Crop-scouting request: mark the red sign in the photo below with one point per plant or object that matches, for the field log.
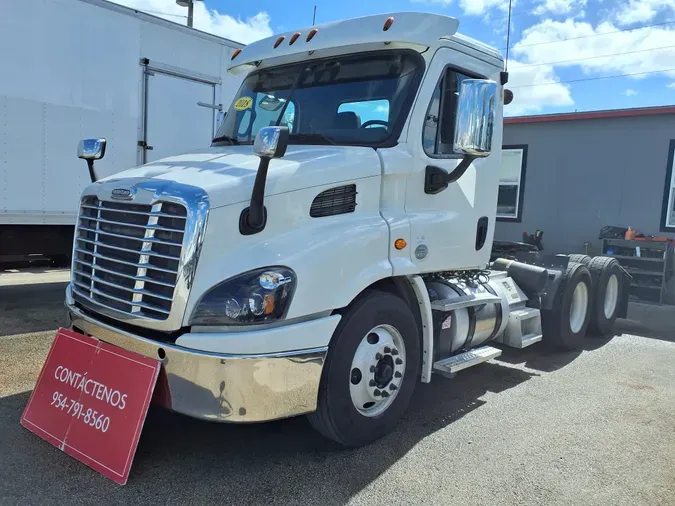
(91, 400)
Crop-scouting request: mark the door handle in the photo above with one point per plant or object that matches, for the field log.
(144, 145)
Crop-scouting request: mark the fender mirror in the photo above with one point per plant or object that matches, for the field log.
(271, 142)
(90, 150)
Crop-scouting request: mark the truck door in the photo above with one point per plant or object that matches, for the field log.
(444, 226)
(174, 122)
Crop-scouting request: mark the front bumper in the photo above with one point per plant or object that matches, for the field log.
(224, 387)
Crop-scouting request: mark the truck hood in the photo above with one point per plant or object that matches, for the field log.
(227, 173)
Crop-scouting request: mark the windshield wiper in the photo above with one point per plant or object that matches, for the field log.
(227, 138)
(312, 137)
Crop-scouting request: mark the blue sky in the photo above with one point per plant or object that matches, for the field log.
(537, 53)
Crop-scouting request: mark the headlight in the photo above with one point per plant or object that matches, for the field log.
(258, 296)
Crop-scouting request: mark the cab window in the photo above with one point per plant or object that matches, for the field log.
(376, 111)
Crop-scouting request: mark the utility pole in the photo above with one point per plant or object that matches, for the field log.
(190, 4)
(314, 16)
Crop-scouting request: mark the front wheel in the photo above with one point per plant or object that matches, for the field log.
(370, 372)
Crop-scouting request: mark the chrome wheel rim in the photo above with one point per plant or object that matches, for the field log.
(378, 370)
(579, 307)
(611, 296)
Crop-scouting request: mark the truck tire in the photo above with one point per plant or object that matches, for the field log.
(565, 325)
(608, 287)
(370, 372)
(580, 259)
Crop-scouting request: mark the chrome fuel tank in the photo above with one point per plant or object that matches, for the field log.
(466, 327)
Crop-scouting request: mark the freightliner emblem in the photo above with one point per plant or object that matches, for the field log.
(122, 194)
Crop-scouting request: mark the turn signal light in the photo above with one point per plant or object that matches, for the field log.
(388, 23)
(400, 244)
(279, 41)
(235, 54)
(311, 34)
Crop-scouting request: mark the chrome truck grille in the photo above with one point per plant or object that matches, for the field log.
(127, 256)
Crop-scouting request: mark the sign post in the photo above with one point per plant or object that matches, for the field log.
(91, 400)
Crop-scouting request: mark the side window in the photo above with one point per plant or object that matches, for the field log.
(439, 124)
(511, 182)
(368, 110)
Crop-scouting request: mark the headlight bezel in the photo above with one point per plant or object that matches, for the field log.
(247, 290)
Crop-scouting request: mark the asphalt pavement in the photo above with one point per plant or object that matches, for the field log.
(531, 427)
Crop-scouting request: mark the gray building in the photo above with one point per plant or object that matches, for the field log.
(572, 174)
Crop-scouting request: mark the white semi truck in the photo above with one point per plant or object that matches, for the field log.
(331, 248)
(78, 68)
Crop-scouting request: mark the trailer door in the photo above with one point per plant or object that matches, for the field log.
(174, 122)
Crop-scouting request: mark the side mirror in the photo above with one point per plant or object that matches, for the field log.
(271, 142)
(475, 119)
(91, 149)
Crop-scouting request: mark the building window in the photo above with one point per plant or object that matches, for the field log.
(511, 183)
(439, 125)
(668, 211)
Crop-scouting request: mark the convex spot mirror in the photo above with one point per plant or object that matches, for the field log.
(474, 123)
(91, 149)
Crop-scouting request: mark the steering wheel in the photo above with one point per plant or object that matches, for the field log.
(371, 122)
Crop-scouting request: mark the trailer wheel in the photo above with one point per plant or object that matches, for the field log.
(580, 259)
(565, 325)
(608, 289)
(370, 372)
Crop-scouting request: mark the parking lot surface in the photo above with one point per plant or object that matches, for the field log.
(531, 427)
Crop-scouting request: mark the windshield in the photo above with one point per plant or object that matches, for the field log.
(355, 99)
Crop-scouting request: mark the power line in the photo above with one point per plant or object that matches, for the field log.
(597, 78)
(594, 35)
(595, 57)
(161, 13)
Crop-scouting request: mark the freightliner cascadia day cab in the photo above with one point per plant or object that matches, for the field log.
(331, 248)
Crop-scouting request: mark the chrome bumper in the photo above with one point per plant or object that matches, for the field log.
(225, 388)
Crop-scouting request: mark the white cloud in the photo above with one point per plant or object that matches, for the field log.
(640, 11)
(637, 50)
(630, 93)
(532, 99)
(558, 6)
(671, 86)
(475, 7)
(208, 20)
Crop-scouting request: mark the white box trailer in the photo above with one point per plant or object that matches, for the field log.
(84, 68)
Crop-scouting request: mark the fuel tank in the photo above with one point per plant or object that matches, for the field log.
(466, 327)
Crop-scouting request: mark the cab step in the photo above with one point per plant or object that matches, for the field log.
(465, 301)
(451, 365)
(523, 328)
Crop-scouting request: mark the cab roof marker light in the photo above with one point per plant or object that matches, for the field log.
(235, 54)
(388, 23)
(294, 37)
(279, 41)
(311, 34)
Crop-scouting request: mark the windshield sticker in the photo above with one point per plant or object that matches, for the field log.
(243, 103)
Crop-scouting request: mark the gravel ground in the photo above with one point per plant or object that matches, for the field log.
(588, 428)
